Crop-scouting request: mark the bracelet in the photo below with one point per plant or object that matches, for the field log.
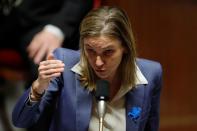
(35, 96)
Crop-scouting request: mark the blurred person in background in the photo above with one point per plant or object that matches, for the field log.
(34, 28)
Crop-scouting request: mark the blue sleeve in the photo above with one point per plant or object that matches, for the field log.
(25, 115)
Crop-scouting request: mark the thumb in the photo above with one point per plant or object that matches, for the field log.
(50, 57)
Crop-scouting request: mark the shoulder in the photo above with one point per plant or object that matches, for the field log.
(68, 56)
(146, 65)
(150, 69)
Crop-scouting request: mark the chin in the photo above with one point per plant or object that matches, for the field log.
(101, 76)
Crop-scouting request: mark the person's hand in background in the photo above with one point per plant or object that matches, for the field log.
(42, 45)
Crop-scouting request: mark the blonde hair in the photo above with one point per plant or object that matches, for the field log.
(112, 22)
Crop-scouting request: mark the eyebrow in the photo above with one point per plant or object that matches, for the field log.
(107, 47)
(87, 45)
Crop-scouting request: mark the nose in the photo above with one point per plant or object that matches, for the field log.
(99, 61)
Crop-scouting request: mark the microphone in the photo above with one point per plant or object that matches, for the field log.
(102, 95)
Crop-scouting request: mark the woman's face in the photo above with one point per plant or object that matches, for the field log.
(104, 54)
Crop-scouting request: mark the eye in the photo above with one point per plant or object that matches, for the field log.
(90, 51)
(108, 52)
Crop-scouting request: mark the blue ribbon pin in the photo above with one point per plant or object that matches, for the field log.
(135, 113)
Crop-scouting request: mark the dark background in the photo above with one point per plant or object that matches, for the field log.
(166, 31)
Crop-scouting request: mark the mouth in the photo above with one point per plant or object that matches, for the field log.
(99, 70)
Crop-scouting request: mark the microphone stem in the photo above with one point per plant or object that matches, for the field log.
(101, 124)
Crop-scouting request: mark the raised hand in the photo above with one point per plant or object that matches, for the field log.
(47, 70)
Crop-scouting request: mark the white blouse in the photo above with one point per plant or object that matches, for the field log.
(115, 119)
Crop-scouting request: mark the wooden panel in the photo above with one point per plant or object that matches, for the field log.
(166, 31)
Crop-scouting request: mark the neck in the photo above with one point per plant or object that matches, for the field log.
(115, 85)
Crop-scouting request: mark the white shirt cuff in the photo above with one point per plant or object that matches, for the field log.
(54, 30)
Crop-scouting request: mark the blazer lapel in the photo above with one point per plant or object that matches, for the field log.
(134, 98)
(84, 107)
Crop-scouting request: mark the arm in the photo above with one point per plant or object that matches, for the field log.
(26, 114)
(67, 20)
(69, 17)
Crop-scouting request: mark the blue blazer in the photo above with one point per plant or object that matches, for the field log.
(66, 106)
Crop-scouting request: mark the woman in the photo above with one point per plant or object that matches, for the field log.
(67, 81)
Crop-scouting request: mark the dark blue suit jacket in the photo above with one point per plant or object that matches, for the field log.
(66, 106)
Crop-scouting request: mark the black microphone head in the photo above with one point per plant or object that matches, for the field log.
(102, 90)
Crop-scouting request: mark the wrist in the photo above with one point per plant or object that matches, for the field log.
(37, 88)
(36, 92)
(34, 95)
